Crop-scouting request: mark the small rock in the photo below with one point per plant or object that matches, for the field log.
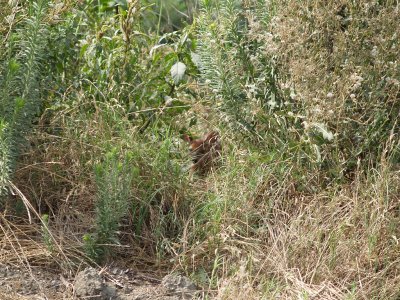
(115, 271)
(179, 284)
(53, 284)
(127, 290)
(110, 292)
(88, 283)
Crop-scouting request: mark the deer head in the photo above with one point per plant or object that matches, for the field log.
(205, 151)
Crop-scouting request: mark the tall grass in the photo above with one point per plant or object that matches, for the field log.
(305, 202)
(296, 212)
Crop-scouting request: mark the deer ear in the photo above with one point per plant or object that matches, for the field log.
(212, 136)
(187, 138)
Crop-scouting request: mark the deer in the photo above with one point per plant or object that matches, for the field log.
(204, 151)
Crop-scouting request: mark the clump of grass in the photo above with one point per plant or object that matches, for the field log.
(253, 231)
(113, 179)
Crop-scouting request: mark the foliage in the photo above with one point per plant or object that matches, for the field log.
(245, 84)
(169, 15)
(122, 65)
(340, 60)
(21, 77)
(304, 95)
(113, 181)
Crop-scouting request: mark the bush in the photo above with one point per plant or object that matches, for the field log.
(113, 182)
(340, 59)
(21, 83)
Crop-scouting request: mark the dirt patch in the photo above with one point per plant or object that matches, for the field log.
(20, 283)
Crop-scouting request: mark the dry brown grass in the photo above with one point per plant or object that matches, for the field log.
(263, 238)
(247, 231)
(338, 244)
(340, 58)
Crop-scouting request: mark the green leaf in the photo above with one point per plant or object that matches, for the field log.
(19, 103)
(13, 65)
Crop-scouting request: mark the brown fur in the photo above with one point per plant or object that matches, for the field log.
(205, 151)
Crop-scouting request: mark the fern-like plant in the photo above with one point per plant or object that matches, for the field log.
(113, 181)
(243, 80)
(21, 75)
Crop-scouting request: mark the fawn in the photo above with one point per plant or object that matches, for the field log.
(205, 151)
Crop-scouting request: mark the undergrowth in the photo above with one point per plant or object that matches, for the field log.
(305, 201)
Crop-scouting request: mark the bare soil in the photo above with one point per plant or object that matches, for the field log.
(36, 283)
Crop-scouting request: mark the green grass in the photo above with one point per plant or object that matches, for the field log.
(305, 201)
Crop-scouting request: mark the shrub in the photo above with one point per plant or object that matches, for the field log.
(113, 183)
(340, 60)
(21, 86)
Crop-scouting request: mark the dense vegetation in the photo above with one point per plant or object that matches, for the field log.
(94, 99)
